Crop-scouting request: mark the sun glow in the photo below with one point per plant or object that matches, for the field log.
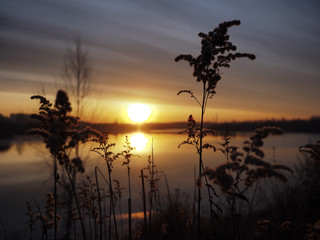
(138, 112)
(139, 141)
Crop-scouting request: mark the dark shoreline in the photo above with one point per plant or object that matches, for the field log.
(18, 125)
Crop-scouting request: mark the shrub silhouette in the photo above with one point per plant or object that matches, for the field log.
(242, 170)
(61, 134)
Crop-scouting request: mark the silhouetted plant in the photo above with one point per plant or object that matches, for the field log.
(144, 202)
(153, 189)
(32, 219)
(48, 221)
(61, 134)
(90, 201)
(216, 53)
(104, 149)
(313, 150)
(102, 195)
(43, 221)
(295, 207)
(127, 154)
(118, 198)
(312, 200)
(242, 170)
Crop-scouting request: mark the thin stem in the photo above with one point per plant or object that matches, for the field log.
(210, 202)
(196, 99)
(250, 207)
(129, 212)
(55, 170)
(105, 214)
(144, 203)
(168, 189)
(151, 189)
(200, 157)
(158, 200)
(44, 228)
(77, 204)
(205, 101)
(194, 194)
(99, 202)
(121, 219)
(112, 203)
(129, 203)
(106, 180)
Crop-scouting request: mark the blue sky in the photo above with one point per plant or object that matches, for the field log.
(132, 46)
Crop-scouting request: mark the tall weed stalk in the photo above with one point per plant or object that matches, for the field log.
(127, 154)
(216, 53)
(104, 150)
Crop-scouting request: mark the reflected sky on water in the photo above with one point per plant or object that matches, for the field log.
(26, 166)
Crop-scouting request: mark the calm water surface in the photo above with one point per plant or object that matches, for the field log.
(26, 167)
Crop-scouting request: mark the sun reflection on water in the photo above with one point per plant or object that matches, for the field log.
(139, 141)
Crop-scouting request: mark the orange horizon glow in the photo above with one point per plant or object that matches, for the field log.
(115, 111)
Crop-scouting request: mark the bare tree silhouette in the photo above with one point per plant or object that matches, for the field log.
(77, 79)
(78, 74)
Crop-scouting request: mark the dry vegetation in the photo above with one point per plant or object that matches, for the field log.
(82, 207)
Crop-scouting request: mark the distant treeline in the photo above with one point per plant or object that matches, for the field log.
(18, 124)
(311, 125)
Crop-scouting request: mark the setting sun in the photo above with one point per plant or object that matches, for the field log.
(138, 112)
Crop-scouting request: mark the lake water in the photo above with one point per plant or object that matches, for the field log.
(26, 167)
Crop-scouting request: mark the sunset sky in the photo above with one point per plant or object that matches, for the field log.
(132, 45)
